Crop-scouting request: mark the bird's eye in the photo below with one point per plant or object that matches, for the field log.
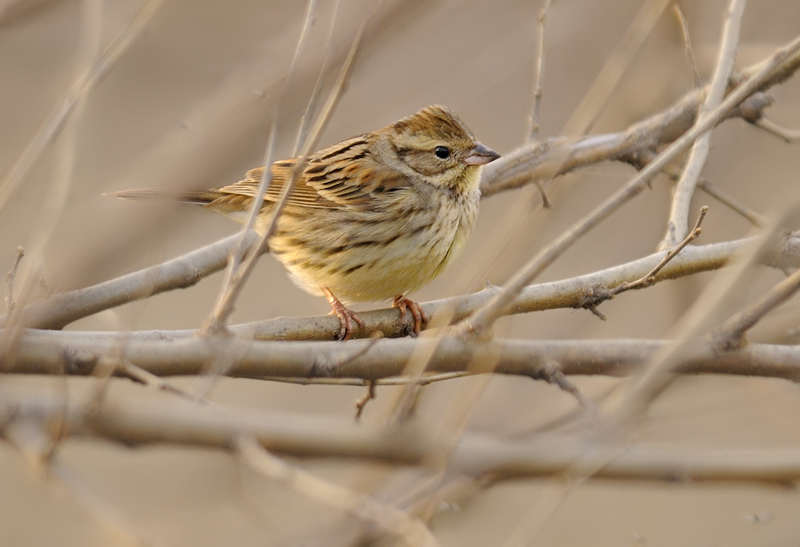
(442, 152)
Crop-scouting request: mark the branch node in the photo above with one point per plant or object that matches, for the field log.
(362, 402)
(552, 374)
(10, 281)
(597, 313)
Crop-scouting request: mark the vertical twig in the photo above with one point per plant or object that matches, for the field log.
(687, 42)
(678, 224)
(586, 113)
(311, 107)
(533, 126)
(10, 281)
(217, 322)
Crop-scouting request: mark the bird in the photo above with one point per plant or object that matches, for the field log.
(370, 218)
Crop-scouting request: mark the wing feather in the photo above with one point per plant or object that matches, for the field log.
(342, 175)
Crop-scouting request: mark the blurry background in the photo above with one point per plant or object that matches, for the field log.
(190, 105)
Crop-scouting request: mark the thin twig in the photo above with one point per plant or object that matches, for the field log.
(368, 396)
(552, 374)
(731, 334)
(588, 110)
(687, 42)
(677, 225)
(80, 88)
(788, 135)
(10, 281)
(250, 262)
(394, 381)
(311, 107)
(224, 305)
(412, 531)
(533, 126)
(756, 219)
(650, 277)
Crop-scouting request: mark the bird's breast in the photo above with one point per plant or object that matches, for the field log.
(379, 252)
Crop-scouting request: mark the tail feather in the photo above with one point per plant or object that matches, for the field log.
(198, 197)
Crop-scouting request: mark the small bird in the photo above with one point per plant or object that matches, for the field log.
(370, 218)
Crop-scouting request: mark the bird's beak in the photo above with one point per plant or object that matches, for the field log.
(480, 155)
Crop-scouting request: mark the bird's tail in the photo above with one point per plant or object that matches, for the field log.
(198, 197)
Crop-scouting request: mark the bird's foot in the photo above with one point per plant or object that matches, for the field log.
(346, 316)
(403, 304)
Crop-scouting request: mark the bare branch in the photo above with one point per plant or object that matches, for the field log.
(687, 42)
(412, 531)
(48, 352)
(570, 293)
(79, 90)
(124, 418)
(482, 321)
(731, 334)
(787, 135)
(677, 226)
(10, 281)
(533, 126)
(650, 277)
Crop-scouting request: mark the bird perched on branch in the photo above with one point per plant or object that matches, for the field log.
(370, 218)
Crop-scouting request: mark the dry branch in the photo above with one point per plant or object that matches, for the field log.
(50, 352)
(136, 419)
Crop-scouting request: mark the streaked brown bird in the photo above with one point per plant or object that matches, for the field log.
(370, 218)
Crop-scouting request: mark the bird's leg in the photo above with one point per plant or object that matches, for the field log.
(420, 318)
(346, 316)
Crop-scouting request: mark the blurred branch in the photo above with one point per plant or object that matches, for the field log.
(82, 86)
(134, 420)
(585, 114)
(687, 41)
(411, 530)
(533, 125)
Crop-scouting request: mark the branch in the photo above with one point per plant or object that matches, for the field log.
(130, 419)
(76, 353)
(731, 334)
(577, 292)
(480, 323)
(557, 156)
(79, 90)
(392, 520)
(677, 226)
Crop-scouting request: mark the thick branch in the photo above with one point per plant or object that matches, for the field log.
(134, 421)
(50, 352)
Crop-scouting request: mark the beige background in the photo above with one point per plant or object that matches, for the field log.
(189, 105)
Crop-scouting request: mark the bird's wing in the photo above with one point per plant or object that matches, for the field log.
(342, 175)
